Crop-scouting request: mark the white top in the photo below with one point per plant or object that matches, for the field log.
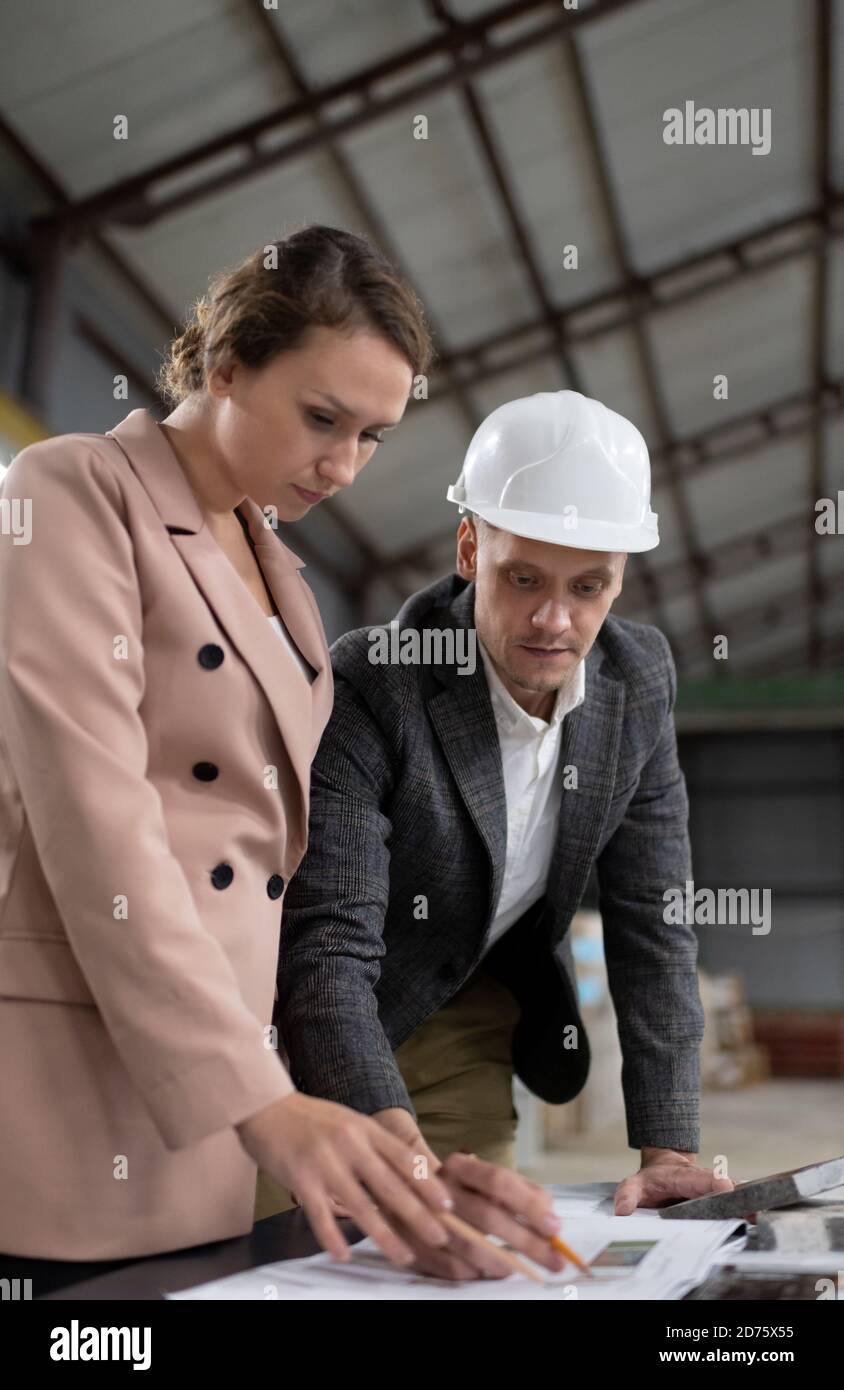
(304, 666)
(533, 784)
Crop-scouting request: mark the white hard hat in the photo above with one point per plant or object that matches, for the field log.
(560, 467)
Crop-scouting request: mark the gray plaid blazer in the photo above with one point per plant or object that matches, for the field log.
(407, 799)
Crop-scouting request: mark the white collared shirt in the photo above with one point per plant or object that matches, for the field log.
(533, 785)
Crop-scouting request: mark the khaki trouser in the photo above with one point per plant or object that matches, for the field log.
(458, 1069)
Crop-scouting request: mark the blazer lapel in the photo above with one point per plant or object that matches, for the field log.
(280, 567)
(462, 717)
(246, 627)
(591, 739)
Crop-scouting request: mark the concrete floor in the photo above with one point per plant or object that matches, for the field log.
(760, 1130)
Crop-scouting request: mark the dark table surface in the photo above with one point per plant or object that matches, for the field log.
(283, 1237)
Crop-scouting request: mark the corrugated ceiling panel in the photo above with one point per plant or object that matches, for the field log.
(531, 104)
(671, 546)
(180, 252)
(677, 199)
(681, 613)
(776, 581)
(612, 373)
(732, 499)
(830, 548)
(834, 455)
(438, 204)
(336, 37)
(832, 616)
(542, 375)
(837, 148)
(180, 74)
(755, 331)
(835, 308)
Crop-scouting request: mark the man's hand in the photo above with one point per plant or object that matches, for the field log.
(495, 1200)
(402, 1124)
(498, 1202)
(666, 1175)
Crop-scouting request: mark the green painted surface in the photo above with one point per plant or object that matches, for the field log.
(822, 691)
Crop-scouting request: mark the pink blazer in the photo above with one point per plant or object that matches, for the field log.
(155, 745)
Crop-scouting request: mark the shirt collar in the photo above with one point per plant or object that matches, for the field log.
(509, 713)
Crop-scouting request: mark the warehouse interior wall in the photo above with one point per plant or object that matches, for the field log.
(767, 810)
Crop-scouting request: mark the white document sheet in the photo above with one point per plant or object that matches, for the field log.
(632, 1257)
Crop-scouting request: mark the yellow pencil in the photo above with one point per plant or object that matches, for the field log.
(563, 1249)
(462, 1228)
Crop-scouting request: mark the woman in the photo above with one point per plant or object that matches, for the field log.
(164, 682)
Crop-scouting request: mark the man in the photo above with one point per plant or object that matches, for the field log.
(456, 815)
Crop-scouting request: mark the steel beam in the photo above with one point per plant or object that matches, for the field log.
(475, 46)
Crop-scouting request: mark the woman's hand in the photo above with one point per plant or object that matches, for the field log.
(324, 1151)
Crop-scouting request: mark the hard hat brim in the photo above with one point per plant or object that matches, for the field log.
(586, 535)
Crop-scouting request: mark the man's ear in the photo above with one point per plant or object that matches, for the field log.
(467, 548)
